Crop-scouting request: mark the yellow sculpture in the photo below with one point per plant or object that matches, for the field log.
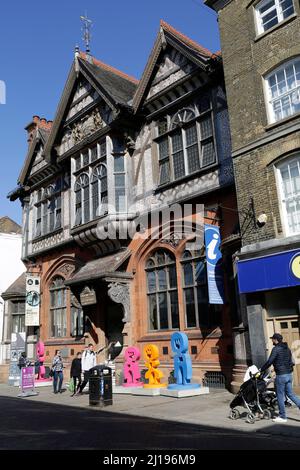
(153, 374)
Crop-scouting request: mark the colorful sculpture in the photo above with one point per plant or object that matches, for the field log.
(40, 354)
(182, 363)
(132, 375)
(154, 375)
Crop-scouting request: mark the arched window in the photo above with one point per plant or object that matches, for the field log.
(82, 198)
(99, 191)
(58, 308)
(183, 116)
(195, 290)
(283, 90)
(189, 144)
(162, 291)
(198, 312)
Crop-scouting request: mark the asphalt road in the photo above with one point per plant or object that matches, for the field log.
(34, 425)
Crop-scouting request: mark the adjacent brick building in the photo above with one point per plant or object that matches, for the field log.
(260, 42)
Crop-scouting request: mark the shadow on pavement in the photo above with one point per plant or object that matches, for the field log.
(28, 425)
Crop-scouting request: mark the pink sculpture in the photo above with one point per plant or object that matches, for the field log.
(40, 354)
(132, 375)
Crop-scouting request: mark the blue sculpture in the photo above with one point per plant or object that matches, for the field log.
(182, 363)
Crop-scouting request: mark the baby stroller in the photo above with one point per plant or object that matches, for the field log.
(255, 397)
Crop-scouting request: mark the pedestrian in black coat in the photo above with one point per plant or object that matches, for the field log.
(76, 372)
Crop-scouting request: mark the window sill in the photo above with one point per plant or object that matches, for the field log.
(50, 234)
(91, 224)
(200, 172)
(276, 124)
(274, 28)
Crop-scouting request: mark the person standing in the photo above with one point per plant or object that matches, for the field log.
(282, 361)
(88, 361)
(76, 372)
(58, 377)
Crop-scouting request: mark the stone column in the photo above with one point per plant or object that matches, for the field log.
(241, 345)
(256, 330)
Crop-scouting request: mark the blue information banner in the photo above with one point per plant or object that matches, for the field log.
(269, 272)
(215, 277)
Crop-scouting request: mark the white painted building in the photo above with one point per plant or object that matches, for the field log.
(11, 266)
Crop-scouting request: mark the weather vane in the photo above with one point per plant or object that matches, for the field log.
(87, 25)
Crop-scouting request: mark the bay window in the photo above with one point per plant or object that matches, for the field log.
(185, 142)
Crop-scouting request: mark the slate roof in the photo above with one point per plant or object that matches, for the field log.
(101, 267)
(120, 86)
(17, 288)
(7, 225)
(185, 39)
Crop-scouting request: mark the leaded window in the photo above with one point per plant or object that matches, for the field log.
(271, 12)
(289, 190)
(198, 312)
(90, 188)
(77, 318)
(58, 308)
(162, 291)
(82, 199)
(99, 191)
(187, 144)
(120, 184)
(283, 91)
(48, 209)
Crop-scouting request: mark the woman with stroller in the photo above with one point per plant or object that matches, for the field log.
(282, 361)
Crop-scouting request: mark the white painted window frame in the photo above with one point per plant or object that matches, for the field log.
(258, 17)
(268, 94)
(281, 197)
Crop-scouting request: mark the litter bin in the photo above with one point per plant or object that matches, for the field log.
(100, 386)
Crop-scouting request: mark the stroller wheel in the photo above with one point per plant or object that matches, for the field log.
(267, 414)
(234, 414)
(250, 418)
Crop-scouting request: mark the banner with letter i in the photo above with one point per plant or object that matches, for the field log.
(215, 278)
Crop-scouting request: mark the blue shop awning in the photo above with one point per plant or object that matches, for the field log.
(275, 271)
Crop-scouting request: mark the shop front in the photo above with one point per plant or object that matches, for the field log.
(271, 287)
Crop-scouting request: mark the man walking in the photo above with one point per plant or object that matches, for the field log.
(88, 361)
(282, 361)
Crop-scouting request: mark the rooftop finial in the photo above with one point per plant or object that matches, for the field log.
(86, 28)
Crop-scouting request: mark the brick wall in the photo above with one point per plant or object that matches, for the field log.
(257, 145)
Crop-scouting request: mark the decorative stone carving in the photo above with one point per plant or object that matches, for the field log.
(174, 240)
(67, 270)
(120, 294)
(77, 134)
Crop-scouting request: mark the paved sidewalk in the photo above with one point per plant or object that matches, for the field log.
(207, 410)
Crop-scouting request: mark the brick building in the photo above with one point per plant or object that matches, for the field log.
(261, 55)
(118, 150)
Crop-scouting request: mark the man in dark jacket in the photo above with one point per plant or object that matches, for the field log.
(282, 361)
(76, 372)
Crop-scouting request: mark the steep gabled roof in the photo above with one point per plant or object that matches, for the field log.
(17, 288)
(114, 86)
(170, 36)
(40, 136)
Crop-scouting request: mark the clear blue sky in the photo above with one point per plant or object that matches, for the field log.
(37, 47)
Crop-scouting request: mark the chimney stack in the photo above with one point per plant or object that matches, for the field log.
(37, 123)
